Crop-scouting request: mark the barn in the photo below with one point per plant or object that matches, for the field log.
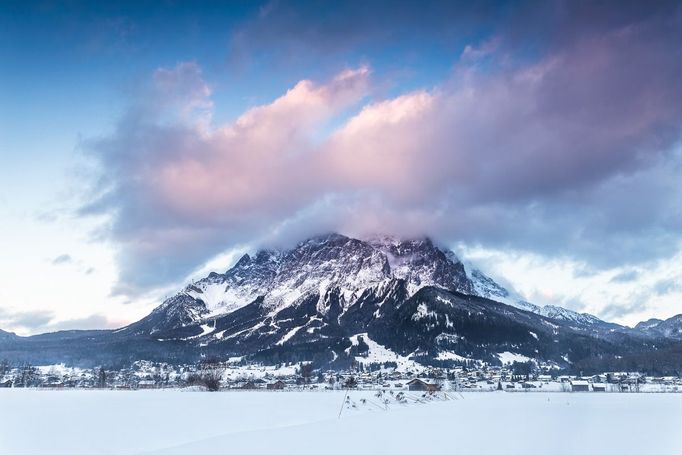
(422, 386)
(580, 386)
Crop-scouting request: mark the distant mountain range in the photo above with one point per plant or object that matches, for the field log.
(336, 300)
(669, 328)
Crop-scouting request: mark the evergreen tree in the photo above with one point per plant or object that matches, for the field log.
(102, 378)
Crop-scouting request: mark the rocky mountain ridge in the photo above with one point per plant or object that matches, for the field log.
(352, 265)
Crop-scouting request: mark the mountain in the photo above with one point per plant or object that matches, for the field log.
(336, 300)
(484, 286)
(352, 266)
(648, 325)
(318, 266)
(669, 328)
(7, 335)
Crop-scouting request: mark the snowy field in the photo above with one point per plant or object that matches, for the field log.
(166, 422)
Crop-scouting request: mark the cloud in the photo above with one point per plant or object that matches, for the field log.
(32, 322)
(26, 320)
(476, 52)
(94, 321)
(569, 151)
(67, 259)
(62, 259)
(626, 277)
(618, 310)
(543, 280)
(667, 286)
(177, 190)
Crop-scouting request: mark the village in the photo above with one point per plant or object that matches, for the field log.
(222, 376)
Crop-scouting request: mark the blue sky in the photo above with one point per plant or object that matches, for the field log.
(540, 139)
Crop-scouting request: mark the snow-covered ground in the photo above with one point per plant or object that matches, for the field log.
(167, 422)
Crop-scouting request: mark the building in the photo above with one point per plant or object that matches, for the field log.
(420, 386)
(146, 384)
(580, 386)
(278, 385)
(598, 387)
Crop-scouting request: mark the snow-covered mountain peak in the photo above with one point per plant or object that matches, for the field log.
(336, 269)
(325, 262)
(484, 286)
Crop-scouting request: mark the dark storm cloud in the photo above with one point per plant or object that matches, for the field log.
(555, 133)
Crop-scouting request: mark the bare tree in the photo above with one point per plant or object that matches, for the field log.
(351, 383)
(212, 379)
(306, 371)
(210, 375)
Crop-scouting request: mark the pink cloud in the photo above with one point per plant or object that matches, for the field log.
(262, 160)
(479, 157)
